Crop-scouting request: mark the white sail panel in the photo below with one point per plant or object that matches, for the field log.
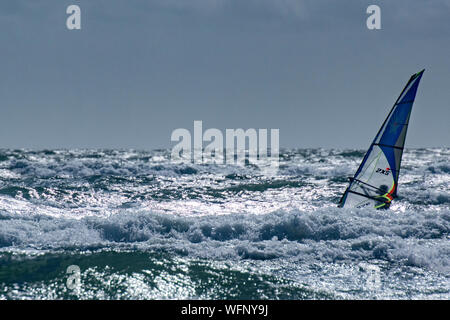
(375, 183)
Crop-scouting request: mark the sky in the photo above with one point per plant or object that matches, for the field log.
(137, 70)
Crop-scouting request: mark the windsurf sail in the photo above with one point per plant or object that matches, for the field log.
(375, 182)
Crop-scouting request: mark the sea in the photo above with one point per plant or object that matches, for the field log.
(132, 224)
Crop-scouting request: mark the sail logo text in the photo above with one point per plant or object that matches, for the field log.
(240, 147)
(383, 171)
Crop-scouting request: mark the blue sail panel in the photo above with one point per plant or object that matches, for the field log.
(394, 127)
(399, 116)
(410, 94)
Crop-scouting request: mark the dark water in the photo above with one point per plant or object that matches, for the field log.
(141, 227)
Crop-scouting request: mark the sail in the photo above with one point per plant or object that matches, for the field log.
(375, 182)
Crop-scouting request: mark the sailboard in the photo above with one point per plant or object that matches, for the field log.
(375, 183)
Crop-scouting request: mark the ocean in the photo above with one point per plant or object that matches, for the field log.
(137, 226)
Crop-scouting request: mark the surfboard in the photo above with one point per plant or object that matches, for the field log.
(375, 183)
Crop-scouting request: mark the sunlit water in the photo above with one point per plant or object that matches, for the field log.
(141, 227)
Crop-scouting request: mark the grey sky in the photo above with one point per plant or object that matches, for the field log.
(140, 69)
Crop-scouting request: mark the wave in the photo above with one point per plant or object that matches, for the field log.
(143, 275)
(327, 235)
